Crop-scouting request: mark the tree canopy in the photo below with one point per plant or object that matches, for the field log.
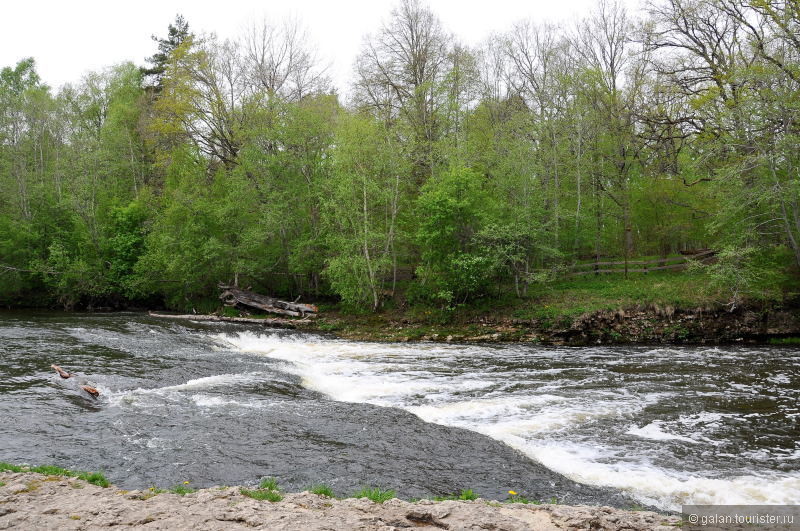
(452, 173)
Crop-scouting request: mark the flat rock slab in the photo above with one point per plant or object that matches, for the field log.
(35, 501)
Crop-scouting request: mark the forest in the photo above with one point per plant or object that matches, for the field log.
(444, 173)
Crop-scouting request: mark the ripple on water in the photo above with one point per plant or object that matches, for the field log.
(641, 420)
(668, 425)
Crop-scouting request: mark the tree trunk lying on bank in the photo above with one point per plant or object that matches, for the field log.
(277, 322)
(233, 296)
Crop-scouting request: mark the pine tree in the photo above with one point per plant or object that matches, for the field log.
(177, 33)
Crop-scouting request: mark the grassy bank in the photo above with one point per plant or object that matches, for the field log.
(548, 310)
(35, 501)
(95, 478)
(268, 488)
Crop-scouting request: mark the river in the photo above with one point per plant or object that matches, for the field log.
(227, 404)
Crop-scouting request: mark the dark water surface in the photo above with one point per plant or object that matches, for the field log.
(228, 404)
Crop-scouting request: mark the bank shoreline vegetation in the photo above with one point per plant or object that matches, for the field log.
(73, 504)
(453, 185)
(268, 488)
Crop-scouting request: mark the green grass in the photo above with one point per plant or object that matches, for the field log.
(784, 341)
(557, 303)
(227, 311)
(321, 490)
(326, 326)
(8, 467)
(269, 483)
(465, 494)
(554, 305)
(262, 494)
(522, 499)
(152, 491)
(573, 297)
(95, 478)
(375, 494)
(2, 483)
(268, 489)
(182, 490)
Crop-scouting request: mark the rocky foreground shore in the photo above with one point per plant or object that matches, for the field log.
(34, 501)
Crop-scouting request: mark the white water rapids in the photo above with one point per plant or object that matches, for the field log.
(667, 426)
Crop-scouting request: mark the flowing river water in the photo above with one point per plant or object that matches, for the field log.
(227, 404)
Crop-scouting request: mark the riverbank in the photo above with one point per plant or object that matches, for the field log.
(656, 308)
(666, 308)
(36, 501)
(224, 404)
(636, 324)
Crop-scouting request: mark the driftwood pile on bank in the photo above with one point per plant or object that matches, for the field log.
(233, 296)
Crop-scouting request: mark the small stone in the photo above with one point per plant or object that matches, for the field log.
(17, 488)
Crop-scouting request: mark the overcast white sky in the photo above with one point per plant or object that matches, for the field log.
(69, 38)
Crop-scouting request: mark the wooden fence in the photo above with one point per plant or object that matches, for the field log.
(596, 268)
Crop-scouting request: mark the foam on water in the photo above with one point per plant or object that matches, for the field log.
(655, 431)
(580, 417)
(147, 397)
(666, 488)
(210, 401)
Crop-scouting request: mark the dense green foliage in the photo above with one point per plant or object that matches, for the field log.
(451, 175)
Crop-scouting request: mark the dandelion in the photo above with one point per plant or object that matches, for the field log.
(512, 493)
(185, 482)
(152, 488)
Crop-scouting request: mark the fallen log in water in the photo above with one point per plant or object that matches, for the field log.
(61, 372)
(233, 296)
(275, 322)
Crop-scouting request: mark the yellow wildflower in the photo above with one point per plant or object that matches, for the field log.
(512, 493)
(185, 482)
